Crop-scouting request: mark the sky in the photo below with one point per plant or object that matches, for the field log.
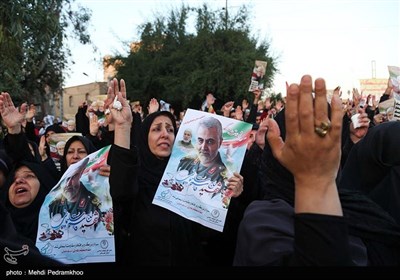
(340, 40)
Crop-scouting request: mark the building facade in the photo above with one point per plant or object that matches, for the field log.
(71, 98)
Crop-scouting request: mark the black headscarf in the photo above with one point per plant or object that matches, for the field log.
(89, 147)
(172, 239)
(36, 153)
(5, 163)
(275, 180)
(373, 167)
(26, 219)
(152, 168)
(55, 128)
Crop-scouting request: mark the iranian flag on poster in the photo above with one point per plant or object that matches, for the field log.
(394, 72)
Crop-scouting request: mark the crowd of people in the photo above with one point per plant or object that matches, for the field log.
(314, 188)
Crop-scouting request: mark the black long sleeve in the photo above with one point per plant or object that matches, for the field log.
(271, 234)
(123, 164)
(320, 240)
(30, 132)
(123, 188)
(17, 147)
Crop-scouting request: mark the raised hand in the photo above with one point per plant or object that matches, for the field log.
(245, 104)
(94, 125)
(311, 156)
(260, 135)
(375, 102)
(42, 148)
(226, 108)
(31, 113)
(120, 116)
(356, 134)
(153, 106)
(239, 113)
(11, 116)
(356, 97)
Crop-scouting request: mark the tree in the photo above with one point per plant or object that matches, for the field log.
(33, 52)
(181, 67)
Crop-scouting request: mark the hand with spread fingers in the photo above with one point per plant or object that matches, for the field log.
(12, 118)
(311, 151)
(154, 106)
(261, 132)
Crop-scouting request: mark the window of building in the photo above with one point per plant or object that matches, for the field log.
(71, 101)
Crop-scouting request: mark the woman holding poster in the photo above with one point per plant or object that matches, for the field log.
(146, 234)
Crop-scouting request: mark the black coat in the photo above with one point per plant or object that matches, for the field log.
(147, 234)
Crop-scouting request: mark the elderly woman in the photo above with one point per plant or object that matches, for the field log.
(24, 193)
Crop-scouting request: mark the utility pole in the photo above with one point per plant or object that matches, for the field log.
(226, 14)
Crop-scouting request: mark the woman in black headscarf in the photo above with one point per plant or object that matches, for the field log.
(50, 130)
(147, 234)
(25, 191)
(76, 148)
(159, 237)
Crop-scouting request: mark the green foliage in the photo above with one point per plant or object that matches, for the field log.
(33, 53)
(180, 67)
(274, 97)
